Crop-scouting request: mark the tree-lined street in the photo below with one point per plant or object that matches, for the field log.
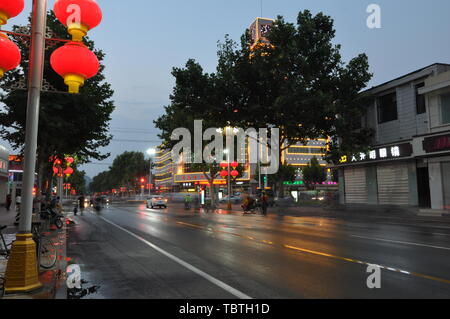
(289, 156)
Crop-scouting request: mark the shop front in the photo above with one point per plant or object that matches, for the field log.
(433, 152)
(386, 175)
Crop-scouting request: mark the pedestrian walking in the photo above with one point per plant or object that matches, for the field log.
(8, 202)
(264, 203)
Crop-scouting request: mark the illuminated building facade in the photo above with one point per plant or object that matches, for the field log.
(164, 170)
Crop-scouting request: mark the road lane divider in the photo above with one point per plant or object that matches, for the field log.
(322, 254)
(401, 242)
(186, 265)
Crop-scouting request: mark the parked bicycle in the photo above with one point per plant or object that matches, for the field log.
(45, 248)
(51, 217)
(2, 287)
(5, 248)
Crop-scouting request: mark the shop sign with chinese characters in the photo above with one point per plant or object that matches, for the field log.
(381, 153)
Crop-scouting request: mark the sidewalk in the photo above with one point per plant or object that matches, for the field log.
(53, 280)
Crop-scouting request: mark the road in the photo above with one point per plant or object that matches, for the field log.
(134, 252)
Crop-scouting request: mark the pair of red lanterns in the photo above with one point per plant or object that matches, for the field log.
(10, 56)
(58, 167)
(224, 173)
(73, 61)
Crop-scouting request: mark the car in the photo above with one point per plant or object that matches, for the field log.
(156, 201)
(234, 199)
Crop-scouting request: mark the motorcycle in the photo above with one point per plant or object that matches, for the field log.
(54, 217)
(250, 208)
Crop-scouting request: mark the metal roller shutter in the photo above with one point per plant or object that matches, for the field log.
(446, 184)
(355, 186)
(393, 184)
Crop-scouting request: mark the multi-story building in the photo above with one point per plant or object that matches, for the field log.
(408, 162)
(164, 171)
(300, 155)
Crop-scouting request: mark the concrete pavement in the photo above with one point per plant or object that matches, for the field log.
(53, 280)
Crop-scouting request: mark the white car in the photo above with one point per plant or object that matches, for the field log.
(156, 201)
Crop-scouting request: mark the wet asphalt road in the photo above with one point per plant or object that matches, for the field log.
(135, 252)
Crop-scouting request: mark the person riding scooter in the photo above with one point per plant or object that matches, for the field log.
(187, 201)
(248, 205)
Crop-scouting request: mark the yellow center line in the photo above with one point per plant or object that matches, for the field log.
(318, 253)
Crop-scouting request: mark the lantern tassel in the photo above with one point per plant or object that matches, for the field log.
(2, 73)
(74, 82)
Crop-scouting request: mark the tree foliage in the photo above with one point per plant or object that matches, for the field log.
(125, 171)
(314, 174)
(298, 84)
(77, 181)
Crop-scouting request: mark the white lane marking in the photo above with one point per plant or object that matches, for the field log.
(194, 269)
(402, 242)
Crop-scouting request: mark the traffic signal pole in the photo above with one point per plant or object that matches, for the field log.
(22, 269)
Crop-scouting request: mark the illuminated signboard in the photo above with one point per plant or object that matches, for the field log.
(381, 153)
(437, 144)
(300, 183)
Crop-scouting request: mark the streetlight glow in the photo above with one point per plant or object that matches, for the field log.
(151, 151)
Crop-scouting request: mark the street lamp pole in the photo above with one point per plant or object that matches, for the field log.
(150, 179)
(151, 152)
(22, 268)
(229, 180)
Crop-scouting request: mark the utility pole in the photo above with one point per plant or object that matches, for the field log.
(150, 179)
(22, 268)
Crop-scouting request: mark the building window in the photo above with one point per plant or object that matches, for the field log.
(445, 108)
(420, 100)
(387, 108)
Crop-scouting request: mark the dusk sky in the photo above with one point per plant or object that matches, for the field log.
(144, 39)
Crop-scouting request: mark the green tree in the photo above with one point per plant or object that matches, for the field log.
(298, 84)
(77, 181)
(314, 174)
(286, 173)
(68, 124)
(126, 170)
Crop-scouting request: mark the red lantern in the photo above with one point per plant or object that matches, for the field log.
(10, 9)
(69, 160)
(57, 162)
(224, 165)
(234, 165)
(9, 55)
(68, 171)
(223, 174)
(234, 174)
(75, 63)
(79, 16)
(55, 170)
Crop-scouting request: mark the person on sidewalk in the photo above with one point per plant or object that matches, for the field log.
(81, 201)
(264, 203)
(187, 201)
(8, 202)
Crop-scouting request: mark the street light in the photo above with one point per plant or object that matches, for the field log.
(22, 268)
(227, 152)
(151, 152)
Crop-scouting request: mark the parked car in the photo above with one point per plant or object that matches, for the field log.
(156, 201)
(234, 199)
